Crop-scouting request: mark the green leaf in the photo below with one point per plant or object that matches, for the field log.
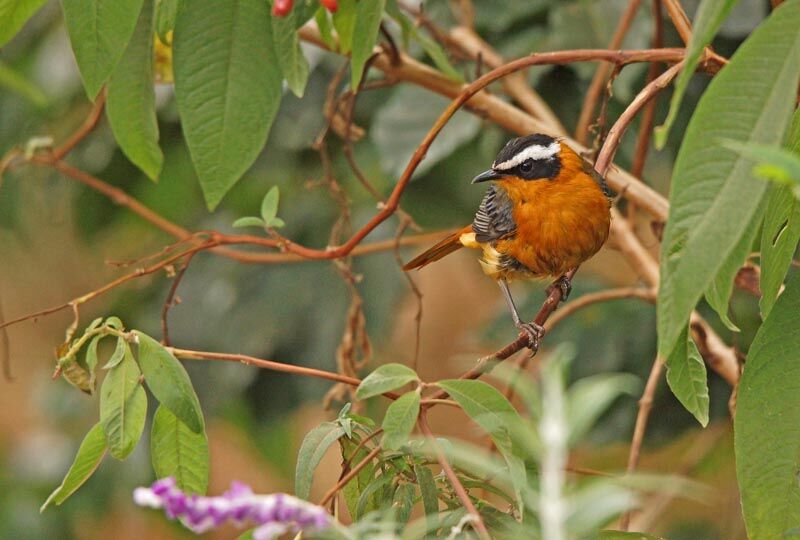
(14, 14)
(707, 21)
(118, 355)
(131, 104)
(99, 31)
(325, 29)
(718, 294)
(430, 495)
(368, 23)
(354, 488)
(276, 223)
(686, 376)
(123, 407)
(403, 502)
(165, 18)
(492, 411)
(781, 231)
(767, 441)
(168, 381)
(399, 421)
(179, 452)
(269, 204)
(384, 379)
(89, 456)
(228, 88)
(589, 397)
(713, 194)
(293, 63)
(91, 360)
(249, 221)
(15, 82)
(313, 449)
(344, 20)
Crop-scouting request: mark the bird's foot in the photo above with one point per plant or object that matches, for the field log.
(534, 332)
(564, 285)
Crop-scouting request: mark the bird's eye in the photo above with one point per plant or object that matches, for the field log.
(526, 166)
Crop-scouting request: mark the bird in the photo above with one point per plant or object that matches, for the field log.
(545, 212)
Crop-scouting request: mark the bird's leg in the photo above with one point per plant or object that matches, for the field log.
(534, 331)
(564, 285)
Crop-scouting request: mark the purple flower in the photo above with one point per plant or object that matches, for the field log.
(272, 514)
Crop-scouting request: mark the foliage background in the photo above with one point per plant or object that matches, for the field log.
(55, 237)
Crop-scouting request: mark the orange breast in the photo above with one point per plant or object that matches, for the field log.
(560, 222)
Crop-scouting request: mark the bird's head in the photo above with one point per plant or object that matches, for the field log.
(534, 157)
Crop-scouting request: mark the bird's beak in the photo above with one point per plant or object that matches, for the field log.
(491, 174)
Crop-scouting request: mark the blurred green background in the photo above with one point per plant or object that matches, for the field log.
(56, 238)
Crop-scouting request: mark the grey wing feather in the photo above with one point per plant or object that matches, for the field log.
(494, 218)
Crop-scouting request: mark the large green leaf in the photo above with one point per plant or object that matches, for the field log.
(228, 87)
(493, 412)
(767, 441)
(14, 14)
(344, 20)
(179, 452)
(781, 230)
(384, 379)
(294, 65)
(686, 376)
(89, 456)
(367, 25)
(714, 197)
(707, 21)
(399, 421)
(123, 407)
(167, 379)
(313, 449)
(99, 31)
(131, 104)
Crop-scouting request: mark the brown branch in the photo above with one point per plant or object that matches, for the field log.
(170, 300)
(679, 19)
(463, 496)
(645, 406)
(602, 72)
(88, 125)
(331, 493)
(601, 296)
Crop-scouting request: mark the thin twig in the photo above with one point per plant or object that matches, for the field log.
(601, 296)
(331, 493)
(170, 300)
(458, 487)
(88, 125)
(645, 406)
(602, 71)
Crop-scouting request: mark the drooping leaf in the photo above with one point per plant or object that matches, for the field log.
(399, 421)
(293, 63)
(492, 411)
(430, 495)
(123, 407)
(403, 502)
(686, 376)
(228, 87)
(384, 379)
(179, 452)
(168, 381)
(99, 31)
(344, 21)
(367, 25)
(90, 454)
(354, 488)
(75, 374)
(165, 18)
(404, 120)
(767, 441)
(713, 194)
(91, 360)
(325, 27)
(707, 21)
(131, 106)
(313, 449)
(589, 397)
(14, 14)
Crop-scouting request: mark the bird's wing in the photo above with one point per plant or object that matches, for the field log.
(494, 218)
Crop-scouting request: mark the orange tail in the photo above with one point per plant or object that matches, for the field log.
(445, 247)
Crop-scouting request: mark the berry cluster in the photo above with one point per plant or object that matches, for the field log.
(281, 8)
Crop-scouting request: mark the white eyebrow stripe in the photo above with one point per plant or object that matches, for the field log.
(534, 152)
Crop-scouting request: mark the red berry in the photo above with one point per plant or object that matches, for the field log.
(281, 8)
(330, 5)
